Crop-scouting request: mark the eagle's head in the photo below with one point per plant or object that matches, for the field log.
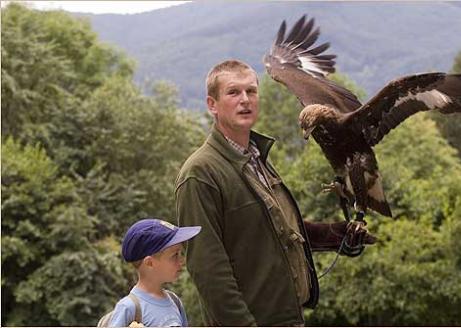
(313, 115)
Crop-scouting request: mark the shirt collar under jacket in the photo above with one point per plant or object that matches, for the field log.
(252, 149)
(217, 140)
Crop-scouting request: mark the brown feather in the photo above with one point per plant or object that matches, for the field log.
(404, 97)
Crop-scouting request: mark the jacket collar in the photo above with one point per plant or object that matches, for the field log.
(217, 140)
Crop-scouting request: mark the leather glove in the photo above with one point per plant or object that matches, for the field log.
(329, 237)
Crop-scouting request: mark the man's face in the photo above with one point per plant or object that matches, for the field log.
(236, 109)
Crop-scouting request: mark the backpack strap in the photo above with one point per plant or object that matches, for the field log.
(175, 300)
(137, 313)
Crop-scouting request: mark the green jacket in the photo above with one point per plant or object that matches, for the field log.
(237, 262)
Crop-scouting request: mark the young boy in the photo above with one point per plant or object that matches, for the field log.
(154, 247)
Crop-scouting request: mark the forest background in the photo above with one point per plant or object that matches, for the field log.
(87, 150)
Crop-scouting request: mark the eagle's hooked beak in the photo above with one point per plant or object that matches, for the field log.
(307, 132)
(305, 122)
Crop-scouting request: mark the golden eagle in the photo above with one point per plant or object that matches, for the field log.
(345, 129)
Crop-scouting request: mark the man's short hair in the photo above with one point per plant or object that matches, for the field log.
(227, 66)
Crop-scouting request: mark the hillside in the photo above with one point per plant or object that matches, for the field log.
(374, 42)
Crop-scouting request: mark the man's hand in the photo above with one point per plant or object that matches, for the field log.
(329, 237)
(356, 239)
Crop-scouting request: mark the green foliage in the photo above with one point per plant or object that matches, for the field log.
(128, 159)
(84, 155)
(50, 61)
(72, 287)
(449, 127)
(426, 184)
(279, 111)
(40, 201)
(449, 124)
(44, 222)
(349, 84)
(457, 64)
(409, 278)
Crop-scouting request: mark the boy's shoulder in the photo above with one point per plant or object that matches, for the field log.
(147, 300)
(167, 311)
(127, 302)
(125, 311)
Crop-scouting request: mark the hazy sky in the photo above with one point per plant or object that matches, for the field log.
(102, 7)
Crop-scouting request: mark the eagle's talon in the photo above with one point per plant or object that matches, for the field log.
(358, 226)
(328, 187)
(336, 187)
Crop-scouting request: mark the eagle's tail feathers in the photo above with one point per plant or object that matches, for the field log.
(382, 207)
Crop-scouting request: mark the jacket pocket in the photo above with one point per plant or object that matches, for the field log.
(300, 266)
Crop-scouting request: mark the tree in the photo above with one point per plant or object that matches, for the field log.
(50, 61)
(457, 64)
(46, 245)
(279, 112)
(132, 148)
(84, 155)
(449, 124)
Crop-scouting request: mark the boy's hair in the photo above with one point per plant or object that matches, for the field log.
(137, 263)
(228, 66)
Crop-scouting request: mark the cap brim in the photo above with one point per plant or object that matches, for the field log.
(183, 234)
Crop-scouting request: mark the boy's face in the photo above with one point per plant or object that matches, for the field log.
(168, 263)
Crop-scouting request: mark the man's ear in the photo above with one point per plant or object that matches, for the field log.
(211, 103)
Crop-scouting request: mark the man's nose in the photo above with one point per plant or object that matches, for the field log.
(244, 98)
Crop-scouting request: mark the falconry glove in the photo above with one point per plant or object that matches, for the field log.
(349, 238)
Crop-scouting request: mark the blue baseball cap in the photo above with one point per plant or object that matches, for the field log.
(150, 236)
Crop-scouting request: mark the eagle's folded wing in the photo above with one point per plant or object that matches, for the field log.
(404, 97)
(296, 63)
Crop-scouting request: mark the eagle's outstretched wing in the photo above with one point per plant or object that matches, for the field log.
(295, 62)
(404, 97)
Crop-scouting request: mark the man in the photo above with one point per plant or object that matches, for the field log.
(252, 262)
